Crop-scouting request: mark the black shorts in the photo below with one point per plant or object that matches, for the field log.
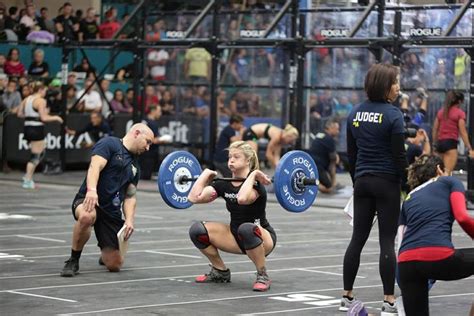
(249, 135)
(241, 244)
(34, 133)
(446, 144)
(106, 227)
(324, 177)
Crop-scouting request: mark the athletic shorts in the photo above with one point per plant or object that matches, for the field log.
(34, 133)
(249, 135)
(241, 243)
(106, 227)
(446, 144)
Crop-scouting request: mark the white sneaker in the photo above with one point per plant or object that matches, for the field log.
(389, 309)
(346, 304)
(28, 184)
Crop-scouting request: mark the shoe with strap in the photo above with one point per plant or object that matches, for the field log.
(389, 309)
(262, 283)
(71, 268)
(214, 276)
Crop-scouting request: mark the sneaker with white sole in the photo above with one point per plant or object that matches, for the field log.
(346, 303)
(389, 309)
(28, 184)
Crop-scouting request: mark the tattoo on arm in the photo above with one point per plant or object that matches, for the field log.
(131, 191)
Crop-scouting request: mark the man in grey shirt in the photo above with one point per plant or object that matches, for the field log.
(11, 97)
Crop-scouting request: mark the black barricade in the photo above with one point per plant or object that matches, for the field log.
(185, 130)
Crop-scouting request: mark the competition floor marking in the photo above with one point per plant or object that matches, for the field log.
(166, 267)
(213, 300)
(331, 273)
(43, 296)
(41, 238)
(7, 216)
(8, 256)
(173, 254)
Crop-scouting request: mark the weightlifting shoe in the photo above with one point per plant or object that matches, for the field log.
(71, 268)
(262, 283)
(214, 276)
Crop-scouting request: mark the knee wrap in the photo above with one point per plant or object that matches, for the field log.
(37, 158)
(251, 235)
(199, 236)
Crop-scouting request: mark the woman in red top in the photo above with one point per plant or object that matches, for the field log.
(449, 123)
(13, 65)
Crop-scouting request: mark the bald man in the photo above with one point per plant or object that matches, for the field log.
(108, 192)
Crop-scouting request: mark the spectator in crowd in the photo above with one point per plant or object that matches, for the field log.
(38, 67)
(167, 104)
(105, 91)
(450, 123)
(53, 96)
(129, 98)
(221, 107)
(126, 72)
(13, 65)
(79, 14)
(44, 22)
(243, 104)
(109, 27)
(461, 64)
(157, 60)
(118, 103)
(150, 97)
(231, 133)
(197, 65)
(11, 21)
(149, 160)
(97, 128)
(157, 32)
(89, 29)
(67, 27)
(11, 98)
(263, 67)
(28, 21)
(323, 151)
(3, 60)
(343, 107)
(25, 91)
(86, 67)
(71, 99)
(72, 79)
(240, 67)
(90, 101)
(201, 102)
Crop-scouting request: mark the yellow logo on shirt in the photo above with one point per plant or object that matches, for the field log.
(369, 117)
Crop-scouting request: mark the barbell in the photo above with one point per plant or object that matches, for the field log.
(295, 181)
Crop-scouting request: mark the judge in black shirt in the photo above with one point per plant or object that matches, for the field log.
(97, 128)
(377, 163)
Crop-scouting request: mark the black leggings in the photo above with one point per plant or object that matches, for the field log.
(374, 194)
(414, 277)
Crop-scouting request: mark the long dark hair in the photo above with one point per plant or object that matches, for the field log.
(452, 98)
(423, 169)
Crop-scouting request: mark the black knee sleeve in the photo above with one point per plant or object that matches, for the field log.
(199, 236)
(251, 235)
(37, 158)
